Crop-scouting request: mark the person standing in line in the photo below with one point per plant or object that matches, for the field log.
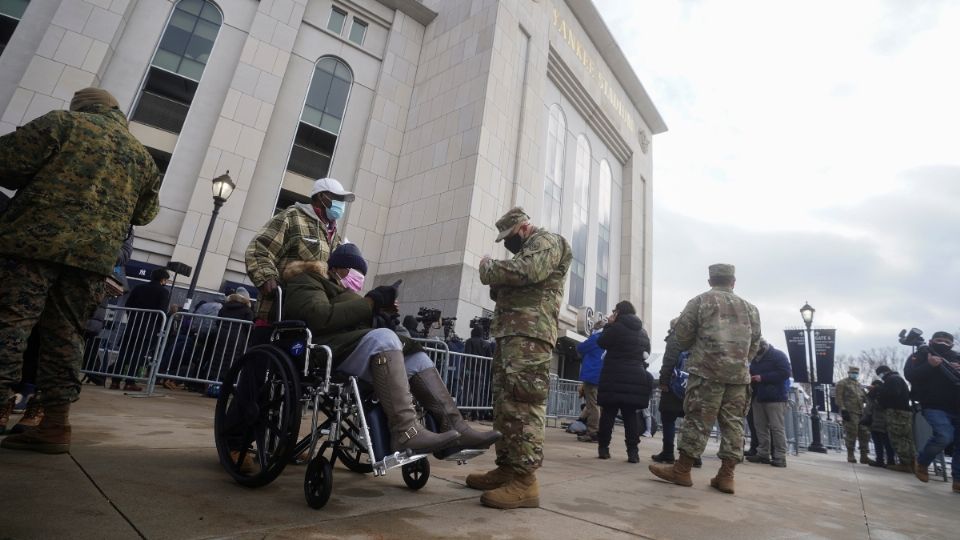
(528, 291)
(770, 376)
(894, 397)
(722, 333)
(142, 329)
(851, 397)
(590, 368)
(82, 179)
(876, 416)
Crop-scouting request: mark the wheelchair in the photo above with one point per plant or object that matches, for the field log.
(267, 392)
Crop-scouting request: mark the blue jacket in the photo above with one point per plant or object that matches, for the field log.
(773, 367)
(592, 359)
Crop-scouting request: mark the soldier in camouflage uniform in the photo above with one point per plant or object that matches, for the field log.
(301, 232)
(851, 397)
(528, 291)
(722, 333)
(82, 179)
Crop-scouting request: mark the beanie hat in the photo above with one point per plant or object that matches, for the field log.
(92, 96)
(942, 334)
(242, 291)
(348, 256)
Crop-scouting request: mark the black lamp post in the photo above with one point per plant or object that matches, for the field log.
(807, 312)
(223, 187)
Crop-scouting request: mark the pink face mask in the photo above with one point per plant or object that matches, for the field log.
(352, 281)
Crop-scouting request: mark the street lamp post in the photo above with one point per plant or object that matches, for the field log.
(223, 187)
(815, 446)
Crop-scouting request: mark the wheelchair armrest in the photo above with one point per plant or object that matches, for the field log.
(289, 325)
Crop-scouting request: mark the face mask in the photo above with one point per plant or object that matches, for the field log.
(335, 211)
(352, 281)
(853, 377)
(513, 243)
(940, 348)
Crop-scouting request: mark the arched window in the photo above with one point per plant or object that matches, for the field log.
(321, 118)
(178, 64)
(603, 237)
(11, 11)
(581, 223)
(553, 185)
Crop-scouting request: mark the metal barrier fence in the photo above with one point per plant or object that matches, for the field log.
(563, 399)
(470, 381)
(199, 349)
(127, 345)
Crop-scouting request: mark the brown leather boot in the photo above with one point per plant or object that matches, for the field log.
(392, 389)
(850, 457)
(956, 486)
(428, 388)
(522, 491)
(491, 479)
(921, 472)
(5, 411)
(677, 473)
(31, 418)
(51, 436)
(723, 481)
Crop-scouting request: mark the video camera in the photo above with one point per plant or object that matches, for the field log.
(914, 338)
(448, 323)
(428, 316)
(483, 323)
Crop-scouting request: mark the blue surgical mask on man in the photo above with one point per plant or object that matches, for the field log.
(335, 210)
(853, 376)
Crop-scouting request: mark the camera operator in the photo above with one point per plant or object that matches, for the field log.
(929, 370)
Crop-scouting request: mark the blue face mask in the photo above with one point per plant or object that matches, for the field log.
(336, 209)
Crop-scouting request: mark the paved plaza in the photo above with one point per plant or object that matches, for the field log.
(146, 468)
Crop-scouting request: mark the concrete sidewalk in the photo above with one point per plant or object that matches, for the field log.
(147, 468)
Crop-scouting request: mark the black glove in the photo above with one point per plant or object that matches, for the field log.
(383, 296)
(845, 415)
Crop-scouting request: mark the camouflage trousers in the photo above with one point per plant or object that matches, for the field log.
(852, 431)
(707, 402)
(521, 374)
(58, 300)
(900, 430)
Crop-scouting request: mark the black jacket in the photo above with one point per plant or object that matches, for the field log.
(150, 295)
(931, 387)
(669, 402)
(478, 346)
(236, 308)
(894, 393)
(624, 381)
(773, 367)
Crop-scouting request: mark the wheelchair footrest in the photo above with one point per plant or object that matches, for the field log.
(394, 460)
(463, 455)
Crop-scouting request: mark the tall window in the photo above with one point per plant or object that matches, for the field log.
(581, 216)
(603, 237)
(553, 186)
(178, 64)
(11, 11)
(321, 119)
(358, 31)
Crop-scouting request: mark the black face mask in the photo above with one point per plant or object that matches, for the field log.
(941, 349)
(513, 243)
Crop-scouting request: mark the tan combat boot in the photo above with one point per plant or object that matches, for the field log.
(5, 411)
(491, 479)
(50, 436)
(723, 481)
(677, 473)
(393, 390)
(31, 418)
(246, 466)
(428, 388)
(522, 491)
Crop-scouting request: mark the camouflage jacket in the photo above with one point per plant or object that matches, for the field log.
(851, 397)
(294, 234)
(722, 333)
(82, 179)
(528, 289)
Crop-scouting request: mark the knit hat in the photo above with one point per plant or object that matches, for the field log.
(92, 96)
(242, 291)
(943, 335)
(348, 256)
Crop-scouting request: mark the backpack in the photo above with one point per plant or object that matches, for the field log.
(678, 381)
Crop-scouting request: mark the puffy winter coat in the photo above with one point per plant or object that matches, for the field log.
(592, 359)
(624, 380)
(773, 367)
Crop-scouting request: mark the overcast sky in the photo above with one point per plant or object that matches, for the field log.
(816, 146)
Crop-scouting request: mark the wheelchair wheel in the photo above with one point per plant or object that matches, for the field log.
(318, 482)
(416, 474)
(257, 418)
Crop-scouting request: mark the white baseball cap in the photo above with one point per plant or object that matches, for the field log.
(332, 186)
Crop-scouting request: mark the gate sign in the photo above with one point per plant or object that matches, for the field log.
(797, 350)
(824, 345)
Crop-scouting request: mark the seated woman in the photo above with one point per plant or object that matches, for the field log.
(341, 319)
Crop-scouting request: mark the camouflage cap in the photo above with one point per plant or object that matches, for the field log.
(511, 219)
(721, 270)
(853, 369)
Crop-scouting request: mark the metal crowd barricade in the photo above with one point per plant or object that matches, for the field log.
(563, 400)
(470, 381)
(126, 347)
(439, 352)
(199, 348)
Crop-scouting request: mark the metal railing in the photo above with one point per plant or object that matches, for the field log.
(126, 347)
(200, 349)
(469, 379)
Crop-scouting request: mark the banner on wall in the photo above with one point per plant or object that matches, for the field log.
(824, 346)
(797, 351)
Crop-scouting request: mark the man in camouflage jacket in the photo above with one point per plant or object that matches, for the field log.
(528, 291)
(82, 179)
(851, 398)
(722, 333)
